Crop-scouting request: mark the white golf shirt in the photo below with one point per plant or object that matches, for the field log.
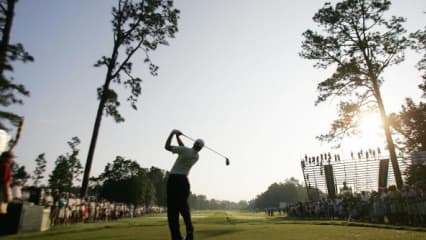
(187, 157)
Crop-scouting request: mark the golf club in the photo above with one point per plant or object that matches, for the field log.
(205, 146)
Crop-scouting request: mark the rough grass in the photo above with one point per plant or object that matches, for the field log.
(223, 225)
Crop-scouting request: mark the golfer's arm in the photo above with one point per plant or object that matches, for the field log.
(179, 141)
(168, 145)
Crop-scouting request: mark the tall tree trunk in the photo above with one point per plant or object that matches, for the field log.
(388, 135)
(96, 127)
(10, 10)
(93, 141)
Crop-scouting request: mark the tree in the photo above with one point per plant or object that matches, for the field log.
(61, 176)
(121, 168)
(149, 195)
(200, 202)
(420, 38)
(358, 40)
(67, 168)
(137, 25)
(290, 191)
(9, 53)
(19, 173)
(410, 124)
(136, 190)
(158, 179)
(125, 181)
(40, 169)
(75, 164)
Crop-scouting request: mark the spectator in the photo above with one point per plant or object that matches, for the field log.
(62, 204)
(17, 190)
(394, 199)
(47, 200)
(391, 206)
(6, 158)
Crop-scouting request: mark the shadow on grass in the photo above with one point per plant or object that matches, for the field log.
(215, 233)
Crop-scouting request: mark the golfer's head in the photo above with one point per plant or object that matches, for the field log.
(198, 145)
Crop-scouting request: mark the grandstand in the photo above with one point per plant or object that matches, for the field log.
(362, 171)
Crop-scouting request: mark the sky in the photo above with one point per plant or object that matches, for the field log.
(232, 76)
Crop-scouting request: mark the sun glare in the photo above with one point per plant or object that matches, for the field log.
(370, 124)
(370, 134)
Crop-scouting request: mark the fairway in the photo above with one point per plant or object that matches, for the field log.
(230, 225)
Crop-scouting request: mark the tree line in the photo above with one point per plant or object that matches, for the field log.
(123, 180)
(289, 191)
(200, 202)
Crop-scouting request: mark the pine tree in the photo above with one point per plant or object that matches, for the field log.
(361, 44)
(40, 169)
(137, 26)
(9, 90)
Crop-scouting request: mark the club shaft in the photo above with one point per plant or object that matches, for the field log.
(205, 146)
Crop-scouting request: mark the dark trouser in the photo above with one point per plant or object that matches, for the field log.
(177, 202)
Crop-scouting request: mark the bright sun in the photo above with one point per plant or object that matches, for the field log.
(370, 136)
(370, 123)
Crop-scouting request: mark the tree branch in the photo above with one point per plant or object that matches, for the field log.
(129, 55)
(135, 24)
(385, 63)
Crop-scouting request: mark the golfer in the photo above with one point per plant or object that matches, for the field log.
(178, 189)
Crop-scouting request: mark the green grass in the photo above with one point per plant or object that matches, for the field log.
(223, 225)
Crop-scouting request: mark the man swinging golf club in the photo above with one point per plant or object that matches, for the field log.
(178, 188)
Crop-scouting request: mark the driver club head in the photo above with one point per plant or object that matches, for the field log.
(227, 161)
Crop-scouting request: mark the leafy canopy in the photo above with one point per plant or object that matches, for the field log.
(9, 53)
(67, 168)
(137, 25)
(125, 181)
(420, 46)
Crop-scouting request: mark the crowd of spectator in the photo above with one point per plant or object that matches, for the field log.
(68, 208)
(392, 206)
